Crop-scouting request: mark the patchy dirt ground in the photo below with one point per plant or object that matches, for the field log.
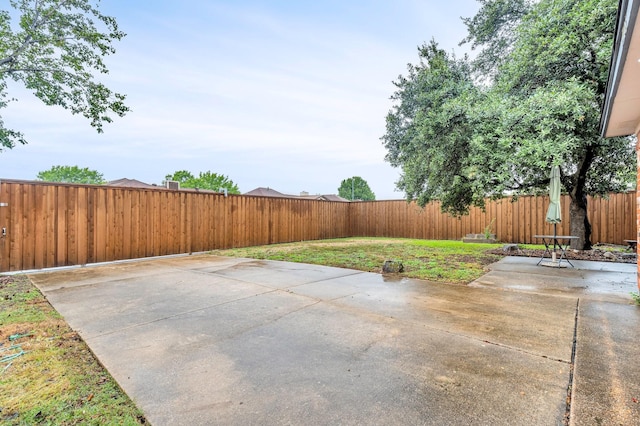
(601, 253)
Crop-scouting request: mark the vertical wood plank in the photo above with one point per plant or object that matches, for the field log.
(102, 227)
(82, 226)
(40, 219)
(61, 226)
(14, 230)
(72, 225)
(29, 220)
(91, 225)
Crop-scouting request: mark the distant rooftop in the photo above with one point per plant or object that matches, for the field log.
(130, 183)
(268, 192)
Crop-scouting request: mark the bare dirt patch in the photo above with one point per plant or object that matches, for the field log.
(604, 253)
(482, 260)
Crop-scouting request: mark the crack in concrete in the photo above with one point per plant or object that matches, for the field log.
(336, 302)
(570, 387)
(218, 272)
(513, 348)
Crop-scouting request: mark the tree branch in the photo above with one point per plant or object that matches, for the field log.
(580, 178)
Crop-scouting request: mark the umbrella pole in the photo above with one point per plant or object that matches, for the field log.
(554, 238)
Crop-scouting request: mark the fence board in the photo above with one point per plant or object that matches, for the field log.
(72, 227)
(59, 224)
(5, 219)
(15, 238)
(40, 229)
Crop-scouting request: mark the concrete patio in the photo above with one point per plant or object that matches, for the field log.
(213, 340)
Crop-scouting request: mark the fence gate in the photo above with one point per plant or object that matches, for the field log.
(4, 226)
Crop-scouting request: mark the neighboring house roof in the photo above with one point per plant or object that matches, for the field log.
(323, 197)
(621, 109)
(130, 183)
(334, 197)
(207, 191)
(268, 192)
(134, 183)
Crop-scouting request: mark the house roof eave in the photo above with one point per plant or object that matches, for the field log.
(626, 22)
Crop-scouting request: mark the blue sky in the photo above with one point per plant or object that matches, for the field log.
(281, 94)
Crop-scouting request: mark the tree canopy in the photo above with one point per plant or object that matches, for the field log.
(54, 48)
(71, 174)
(464, 130)
(356, 188)
(204, 180)
(429, 131)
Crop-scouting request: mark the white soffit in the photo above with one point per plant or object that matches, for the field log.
(624, 116)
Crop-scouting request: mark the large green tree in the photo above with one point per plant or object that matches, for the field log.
(54, 48)
(356, 188)
(204, 180)
(71, 174)
(534, 102)
(429, 131)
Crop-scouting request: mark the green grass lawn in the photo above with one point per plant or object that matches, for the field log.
(48, 375)
(444, 261)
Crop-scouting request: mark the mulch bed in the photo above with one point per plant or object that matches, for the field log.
(596, 254)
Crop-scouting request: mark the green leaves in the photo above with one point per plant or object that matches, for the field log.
(55, 50)
(356, 188)
(71, 174)
(494, 30)
(429, 130)
(205, 180)
(559, 40)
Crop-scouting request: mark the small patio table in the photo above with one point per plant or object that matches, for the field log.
(562, 241)
(633, 244)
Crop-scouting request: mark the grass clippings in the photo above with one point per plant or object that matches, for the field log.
(48, 375)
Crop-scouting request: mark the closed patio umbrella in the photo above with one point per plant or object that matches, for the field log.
(554, 214)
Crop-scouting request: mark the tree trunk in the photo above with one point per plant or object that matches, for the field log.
(580, 226)
(579, 223)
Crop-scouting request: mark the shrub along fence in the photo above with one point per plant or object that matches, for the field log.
(46, 224)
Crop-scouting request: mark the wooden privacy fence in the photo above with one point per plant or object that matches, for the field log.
(613, 220)
(57, 224)
(45, 225)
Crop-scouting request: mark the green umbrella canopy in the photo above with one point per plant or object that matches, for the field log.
(553, 213)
